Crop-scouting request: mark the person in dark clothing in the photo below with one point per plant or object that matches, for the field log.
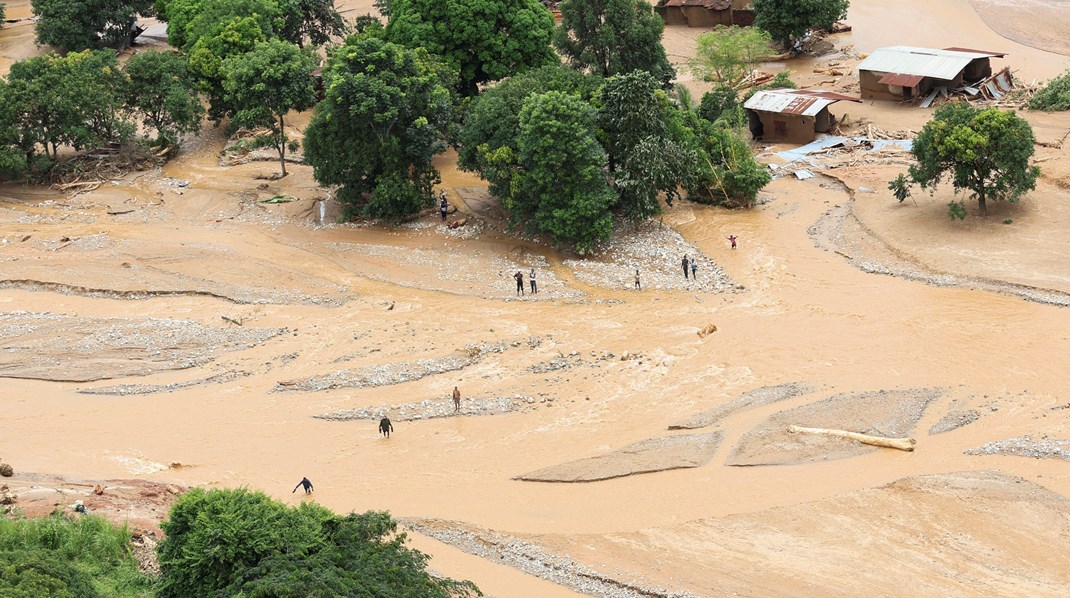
(385, 427)
(686, 263)
(443, 206)
(531, 279)
(304, 482)
(519, 276)
(732, 238)
(694, 269)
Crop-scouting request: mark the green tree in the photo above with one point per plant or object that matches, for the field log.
(561, 188)
(241, 543)
(789, 20)
(645, 157)
(314, 21)
(720, 100)
(164, 93)
(384, 115)
(983, 151)
(488, 137)
(613, 37)
(84, 24)
(1054, 96)
(726, 55)
(263, 85)
(727, 173)
(486, 40)
(73, 100)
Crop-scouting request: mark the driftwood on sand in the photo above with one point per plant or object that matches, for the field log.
(903, 444)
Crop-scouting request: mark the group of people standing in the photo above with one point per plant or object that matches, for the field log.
(519, 276)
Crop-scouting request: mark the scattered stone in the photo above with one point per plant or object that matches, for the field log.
(954, 420)
(434, 409)
(752, 398)
(708, 330)
(1025, 446)
(6, 470)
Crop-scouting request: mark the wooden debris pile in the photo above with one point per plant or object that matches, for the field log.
(86, 172)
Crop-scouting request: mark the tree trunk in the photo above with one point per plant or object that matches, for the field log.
(903, 444)
(282, 145)
(981, 204)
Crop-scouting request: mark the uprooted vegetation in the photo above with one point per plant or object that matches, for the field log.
(1054, 96)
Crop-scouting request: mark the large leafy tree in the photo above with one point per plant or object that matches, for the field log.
(983, 151)
(314, 21)
(241, 543)
(488, 137)
(613, 37)
(164, 93)
(384, 115)
(486, 40)
(83, 24)
(74, 100)
(263, 85)
(789, 20)
(561, 188)
(726, 54)
(647, 155)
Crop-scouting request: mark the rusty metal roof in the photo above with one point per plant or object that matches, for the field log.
(900, 79)
(803, 102)
(926, 62)
(707, 4)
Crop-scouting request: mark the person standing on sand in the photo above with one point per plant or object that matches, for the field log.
(685, 263)
(638, 286)
(443, 206)
(531, 279)
(519, 276)
(732, 239)
(694, 269)
(456, 399)
(307, 484)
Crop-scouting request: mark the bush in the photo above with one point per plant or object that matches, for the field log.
(47, 550)
(717, 101)
(1053, 97)
(242, 543)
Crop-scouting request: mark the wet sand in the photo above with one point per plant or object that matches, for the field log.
(797, 312)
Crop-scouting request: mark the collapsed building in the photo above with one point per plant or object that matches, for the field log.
(899, 73)
(705, 13)
(792, 115)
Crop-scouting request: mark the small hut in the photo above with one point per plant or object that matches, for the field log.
(705, 13)
(792, 115)
(900, 73)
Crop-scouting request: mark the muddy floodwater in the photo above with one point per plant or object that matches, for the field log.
(170, 326)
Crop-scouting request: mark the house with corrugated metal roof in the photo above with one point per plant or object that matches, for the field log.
(792, 115)
(900, 73)
(705, 13)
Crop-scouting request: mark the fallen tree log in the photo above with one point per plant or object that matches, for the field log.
(903, 444)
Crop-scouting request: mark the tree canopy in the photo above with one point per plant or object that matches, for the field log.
(561, 186)
(314, 21)
(164, 93)
(85, 24)
(385, 113)
(727, 54)
(983, 151)
(486, 40)
(613, 37)
(789, 20)
(1054, 96)
(242, 543)
(263, 85)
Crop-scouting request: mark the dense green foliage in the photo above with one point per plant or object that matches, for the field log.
(59, 556)
(1054, 96)
(718, 101)
(384, 115)
(84, 24)
(164, 93)
(983, 151)
(3, 13)
(265, 84)
(789, 20)
(74, 100)
(728, 173)
(561, 188)
(648, 153)
(613, 37)
(485, 40)
(241, 543)
(311, 21)
(727, 54)
(488, 138)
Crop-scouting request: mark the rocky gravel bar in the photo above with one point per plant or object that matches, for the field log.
(534, 560)
(437, 408)
(954, 420)
(1026, 446)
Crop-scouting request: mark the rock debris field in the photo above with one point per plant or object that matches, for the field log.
(1026, 446)
(437, 408)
